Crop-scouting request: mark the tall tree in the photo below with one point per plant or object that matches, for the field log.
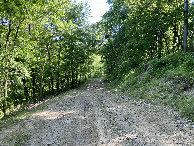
(185, 26)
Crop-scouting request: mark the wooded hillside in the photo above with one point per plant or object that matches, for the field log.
(138, 31)
(46, 48)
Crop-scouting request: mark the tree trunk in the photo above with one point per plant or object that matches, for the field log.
(7, 73)
(58, 73)
(42, 77)
(42, 70)
(185, 26)
(41, 85)
(5, 96)
(25, 89)
(85, 78)
(68, 80)
(52, 83)
(51, 75)
(80, 76)
(72, 81)
(33, 85)
(160, 45)
(76, 80)
(175, 37)
(58, 82)
(0, 89)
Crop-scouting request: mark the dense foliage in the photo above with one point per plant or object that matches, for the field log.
(138, 31)
(45, 48)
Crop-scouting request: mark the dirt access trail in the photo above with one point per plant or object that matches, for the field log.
(94, 116)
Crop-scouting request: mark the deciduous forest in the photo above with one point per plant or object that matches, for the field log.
(145, 48)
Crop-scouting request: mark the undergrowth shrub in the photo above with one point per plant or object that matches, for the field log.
(169, 80)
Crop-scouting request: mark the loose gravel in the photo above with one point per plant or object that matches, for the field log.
(94, 116)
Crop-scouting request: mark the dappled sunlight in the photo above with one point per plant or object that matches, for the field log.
(71, 96)
(94, 87)
(51, 115)
(100, 88)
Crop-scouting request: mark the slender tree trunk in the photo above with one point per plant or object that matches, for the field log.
(42, 73)
(111, 68)
(7, 73)
(33, 85)
(49, 85)
(58, 82)
(72, 77)
(25, 89)
(41, 83)
(51, 75)
(160, 46)
(58, 73)
(175, 37)
(80, 76)
(5, 95)
(0, 89)
(4, 104)
(156, 46)
(68, 80)
(29, 28)
(42, 77)
(85, 78)
(52, 82)
(76, 80)
(65, 82)
(4, 107)
(185, 26)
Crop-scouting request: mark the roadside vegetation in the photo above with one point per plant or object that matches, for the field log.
(144, 51)
(168, 81)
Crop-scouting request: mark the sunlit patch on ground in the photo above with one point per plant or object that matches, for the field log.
(50, 115)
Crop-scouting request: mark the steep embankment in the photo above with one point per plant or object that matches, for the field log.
(92, 115)
(169, 80)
